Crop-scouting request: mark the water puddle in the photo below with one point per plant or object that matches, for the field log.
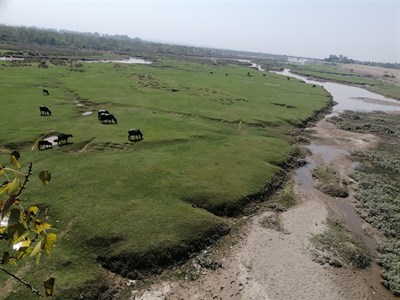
(303, 175)
(354, 223)
(87, 113)
(51, 139)
(327, 153)
(9, 58)
(131, 60)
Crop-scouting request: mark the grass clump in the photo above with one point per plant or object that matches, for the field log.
(283, 199)
(337, 247)
(273, 222)
(329, 182)
(389, 260)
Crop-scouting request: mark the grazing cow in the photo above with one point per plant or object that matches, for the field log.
(314, 85)
(46, 92)
(62, 138)
(43, 145)
(101, 112)
(135, 134)
(288, 78)
(44, 111)
(108, 118)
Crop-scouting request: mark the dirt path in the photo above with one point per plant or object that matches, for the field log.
(265, 263)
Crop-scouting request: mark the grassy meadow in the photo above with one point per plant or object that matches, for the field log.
(213, 135)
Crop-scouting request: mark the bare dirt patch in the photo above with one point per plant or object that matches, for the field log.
(386, 74)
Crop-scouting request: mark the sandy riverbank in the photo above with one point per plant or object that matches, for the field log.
(386, 74)
(265, 263)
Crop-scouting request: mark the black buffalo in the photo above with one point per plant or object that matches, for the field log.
(46, 92)
(43, 145)
(44, 111)
(107, 118)
(62, 138)
(102, 112)
(135, 134)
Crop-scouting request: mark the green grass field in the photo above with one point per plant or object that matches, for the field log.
(210, 140)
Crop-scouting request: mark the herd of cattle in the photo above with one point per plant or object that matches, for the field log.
(104, 116)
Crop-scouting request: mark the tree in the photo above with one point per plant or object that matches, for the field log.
(23, 226)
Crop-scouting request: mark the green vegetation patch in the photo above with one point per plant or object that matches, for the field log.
(389, 260)
(365, 124)
(337, 247)
(378, 189)
(329, 182)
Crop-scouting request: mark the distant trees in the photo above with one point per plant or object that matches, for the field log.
(339, 59)
(33, 36)
(344, 60)
(37, 42)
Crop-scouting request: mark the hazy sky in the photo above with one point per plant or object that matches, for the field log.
(360, 29)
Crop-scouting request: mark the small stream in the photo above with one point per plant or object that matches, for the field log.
(347, 98)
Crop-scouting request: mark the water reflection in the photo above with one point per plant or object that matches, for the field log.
(131, 60)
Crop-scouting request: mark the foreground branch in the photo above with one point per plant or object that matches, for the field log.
(12, 198)
(27, 284)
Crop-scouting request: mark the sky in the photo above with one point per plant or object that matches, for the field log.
(359, 29)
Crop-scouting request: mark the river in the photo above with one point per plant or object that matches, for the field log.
(352, 98)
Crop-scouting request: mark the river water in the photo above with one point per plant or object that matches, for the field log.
(131, 60)
(352, 98)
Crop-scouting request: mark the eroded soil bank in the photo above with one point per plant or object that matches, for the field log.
(260, 261)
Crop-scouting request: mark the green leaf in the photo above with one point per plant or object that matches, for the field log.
(45, 177)
(14, 159)
(49, 286)
(15, 231)
(36, 249)
(15, 216)
(49, 242)
(40, 226)
(21, 239)
(21, 253)
(33, 209)
(13, 187)
(4, 187)
(6, 258)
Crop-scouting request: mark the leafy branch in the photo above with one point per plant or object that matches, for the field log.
(25, 229)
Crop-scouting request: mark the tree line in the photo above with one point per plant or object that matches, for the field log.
(71, 40)
(345, 60)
